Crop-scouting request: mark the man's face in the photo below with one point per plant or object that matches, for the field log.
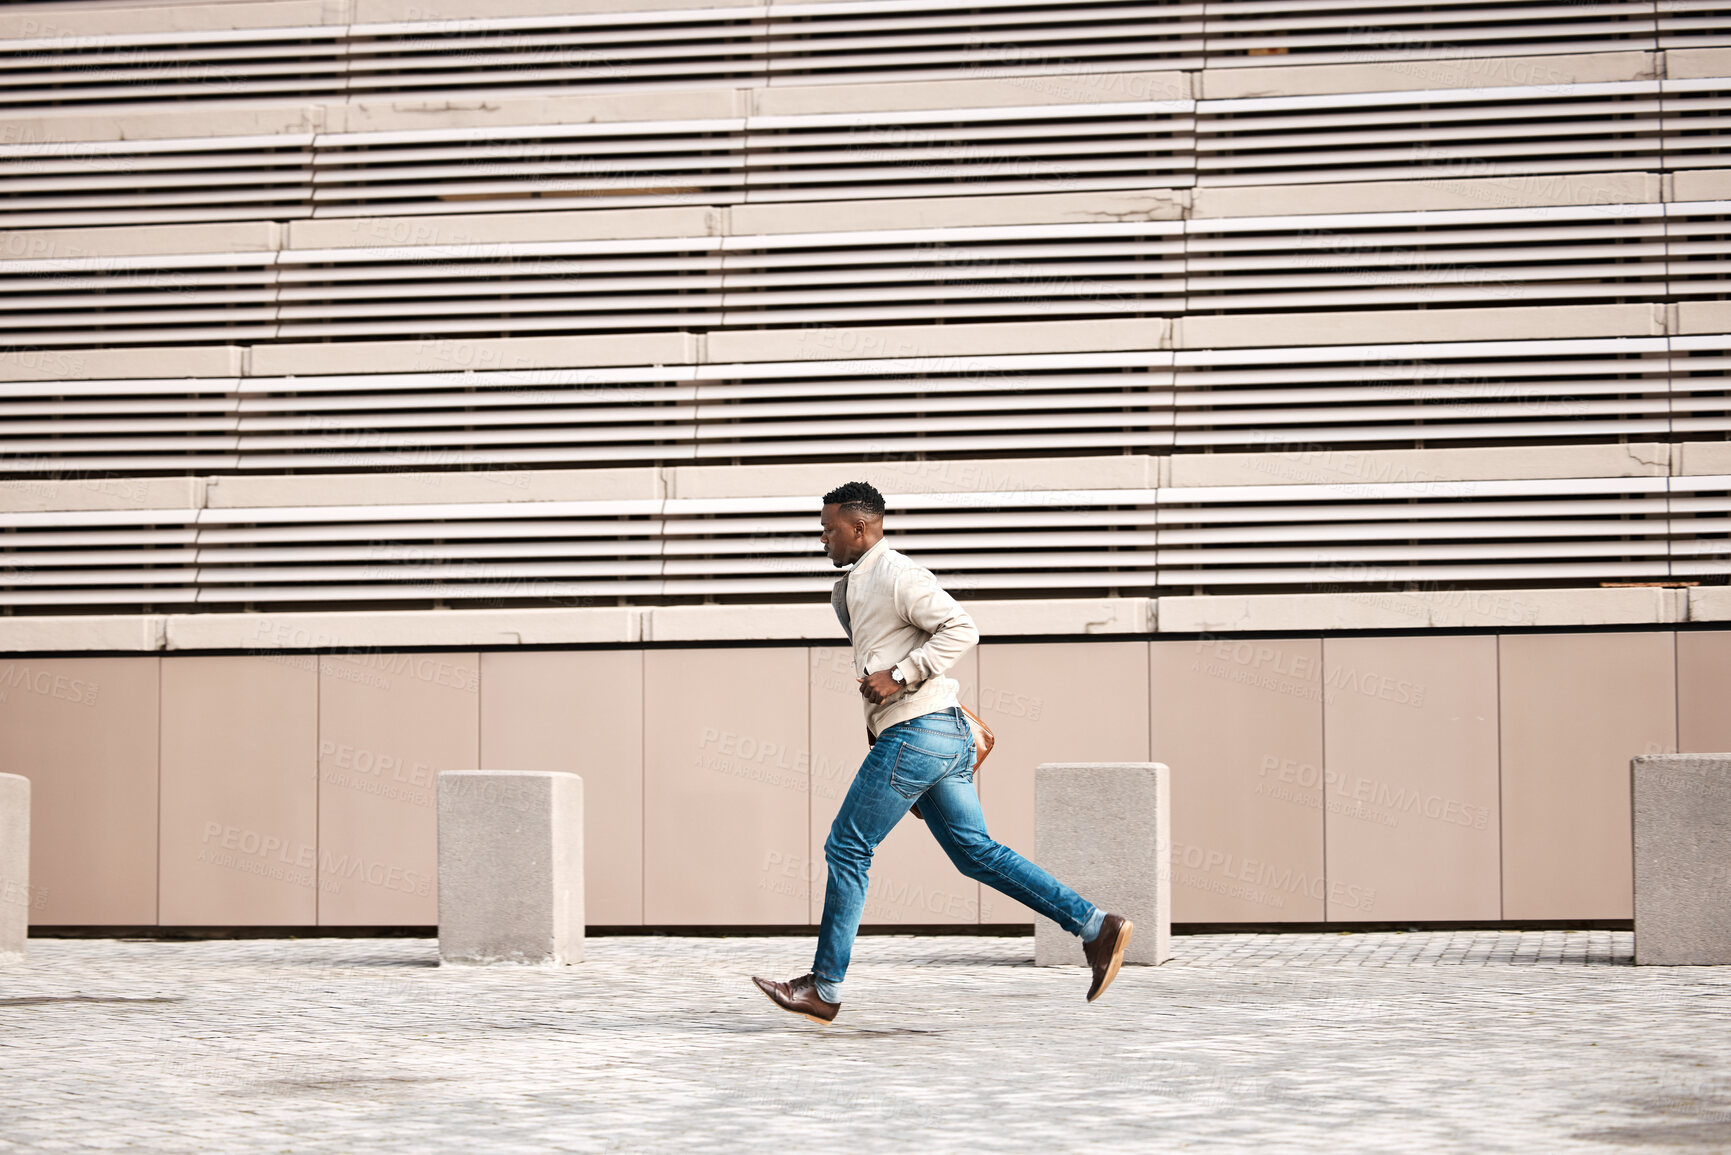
(843, 536)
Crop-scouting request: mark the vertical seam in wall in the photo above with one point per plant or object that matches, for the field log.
(810, 763)
(1502, 912)
(642, 788)
(1676, 698)
(1148, 665)
(158, 916)
(1322, 732)
(318, 728)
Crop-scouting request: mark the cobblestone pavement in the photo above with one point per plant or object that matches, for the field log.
(1480, 1041)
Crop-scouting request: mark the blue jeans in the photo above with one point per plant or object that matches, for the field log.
(929, 760)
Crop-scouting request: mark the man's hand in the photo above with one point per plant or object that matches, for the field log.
(879, 687)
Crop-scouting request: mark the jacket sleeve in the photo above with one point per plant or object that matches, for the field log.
(924, 604)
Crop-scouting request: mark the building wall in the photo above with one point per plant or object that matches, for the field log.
(1468, 777)
(385, 392)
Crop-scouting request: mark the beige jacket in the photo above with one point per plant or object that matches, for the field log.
(897, 615)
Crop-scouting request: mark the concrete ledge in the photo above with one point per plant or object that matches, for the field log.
(14, 866)
(741, 623)
(1405, 610)
(1489, 610)
(126, 633)
(401, 628)
(1682, 817)
(510, 867)
(1063, 616)
(1710, 604)
(1105, 829)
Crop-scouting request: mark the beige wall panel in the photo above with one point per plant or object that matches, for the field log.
(845, 344)
(1704, 692)
(114, 364)
(1702, 184)
(407, 111)
(239, 811)
(1410, 75)
(131, 240)
(912, 880)
(490, 228)
(1703, 316)
(457, 355)
(106, 20)
(435, 488)
(388, 723)
(724, 787)
(579, 712)
(1575, 708)
(1410, 747)
(1308, 466)
(1053, 702)
(1240, 724)
(1513, 323)
(1695, 458)
(83, 730)
(1683, 63)
(46, 496)
(958, 212)
(1125, 471)
(1004, 92)
(74, 124)
(1513, 191)
(368, 11)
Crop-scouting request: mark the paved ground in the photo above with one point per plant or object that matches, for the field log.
(1343, 1043)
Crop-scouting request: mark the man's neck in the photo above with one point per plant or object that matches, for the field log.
(869, 547)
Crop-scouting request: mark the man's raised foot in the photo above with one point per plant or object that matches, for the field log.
(799, 996)
(1106, 953)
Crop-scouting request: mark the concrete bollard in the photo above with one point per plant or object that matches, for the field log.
(510, 867)
(14, 865)
(1105, 828)
(1682, 813)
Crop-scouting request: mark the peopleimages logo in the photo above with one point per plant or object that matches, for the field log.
(1359, 796)
(1273, 881)
(46, 683)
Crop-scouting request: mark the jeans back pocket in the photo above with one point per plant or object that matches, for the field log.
(918, 769)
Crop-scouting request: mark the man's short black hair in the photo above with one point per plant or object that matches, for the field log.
(856, 497)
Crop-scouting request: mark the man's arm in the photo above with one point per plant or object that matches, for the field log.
(922, 602)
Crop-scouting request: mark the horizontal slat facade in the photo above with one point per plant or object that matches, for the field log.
(878, 40)
(1257, 399)
(1445, 259)
(1520, 134)
(1380, 227)
(991, 544)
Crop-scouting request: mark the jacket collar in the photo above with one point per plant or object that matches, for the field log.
(871, 556)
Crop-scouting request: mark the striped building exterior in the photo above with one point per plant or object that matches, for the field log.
(1325, 399)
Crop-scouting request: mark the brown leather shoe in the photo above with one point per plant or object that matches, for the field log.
(1106, 953)
(800, 997)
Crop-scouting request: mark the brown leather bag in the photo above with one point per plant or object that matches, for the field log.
(984, 739)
